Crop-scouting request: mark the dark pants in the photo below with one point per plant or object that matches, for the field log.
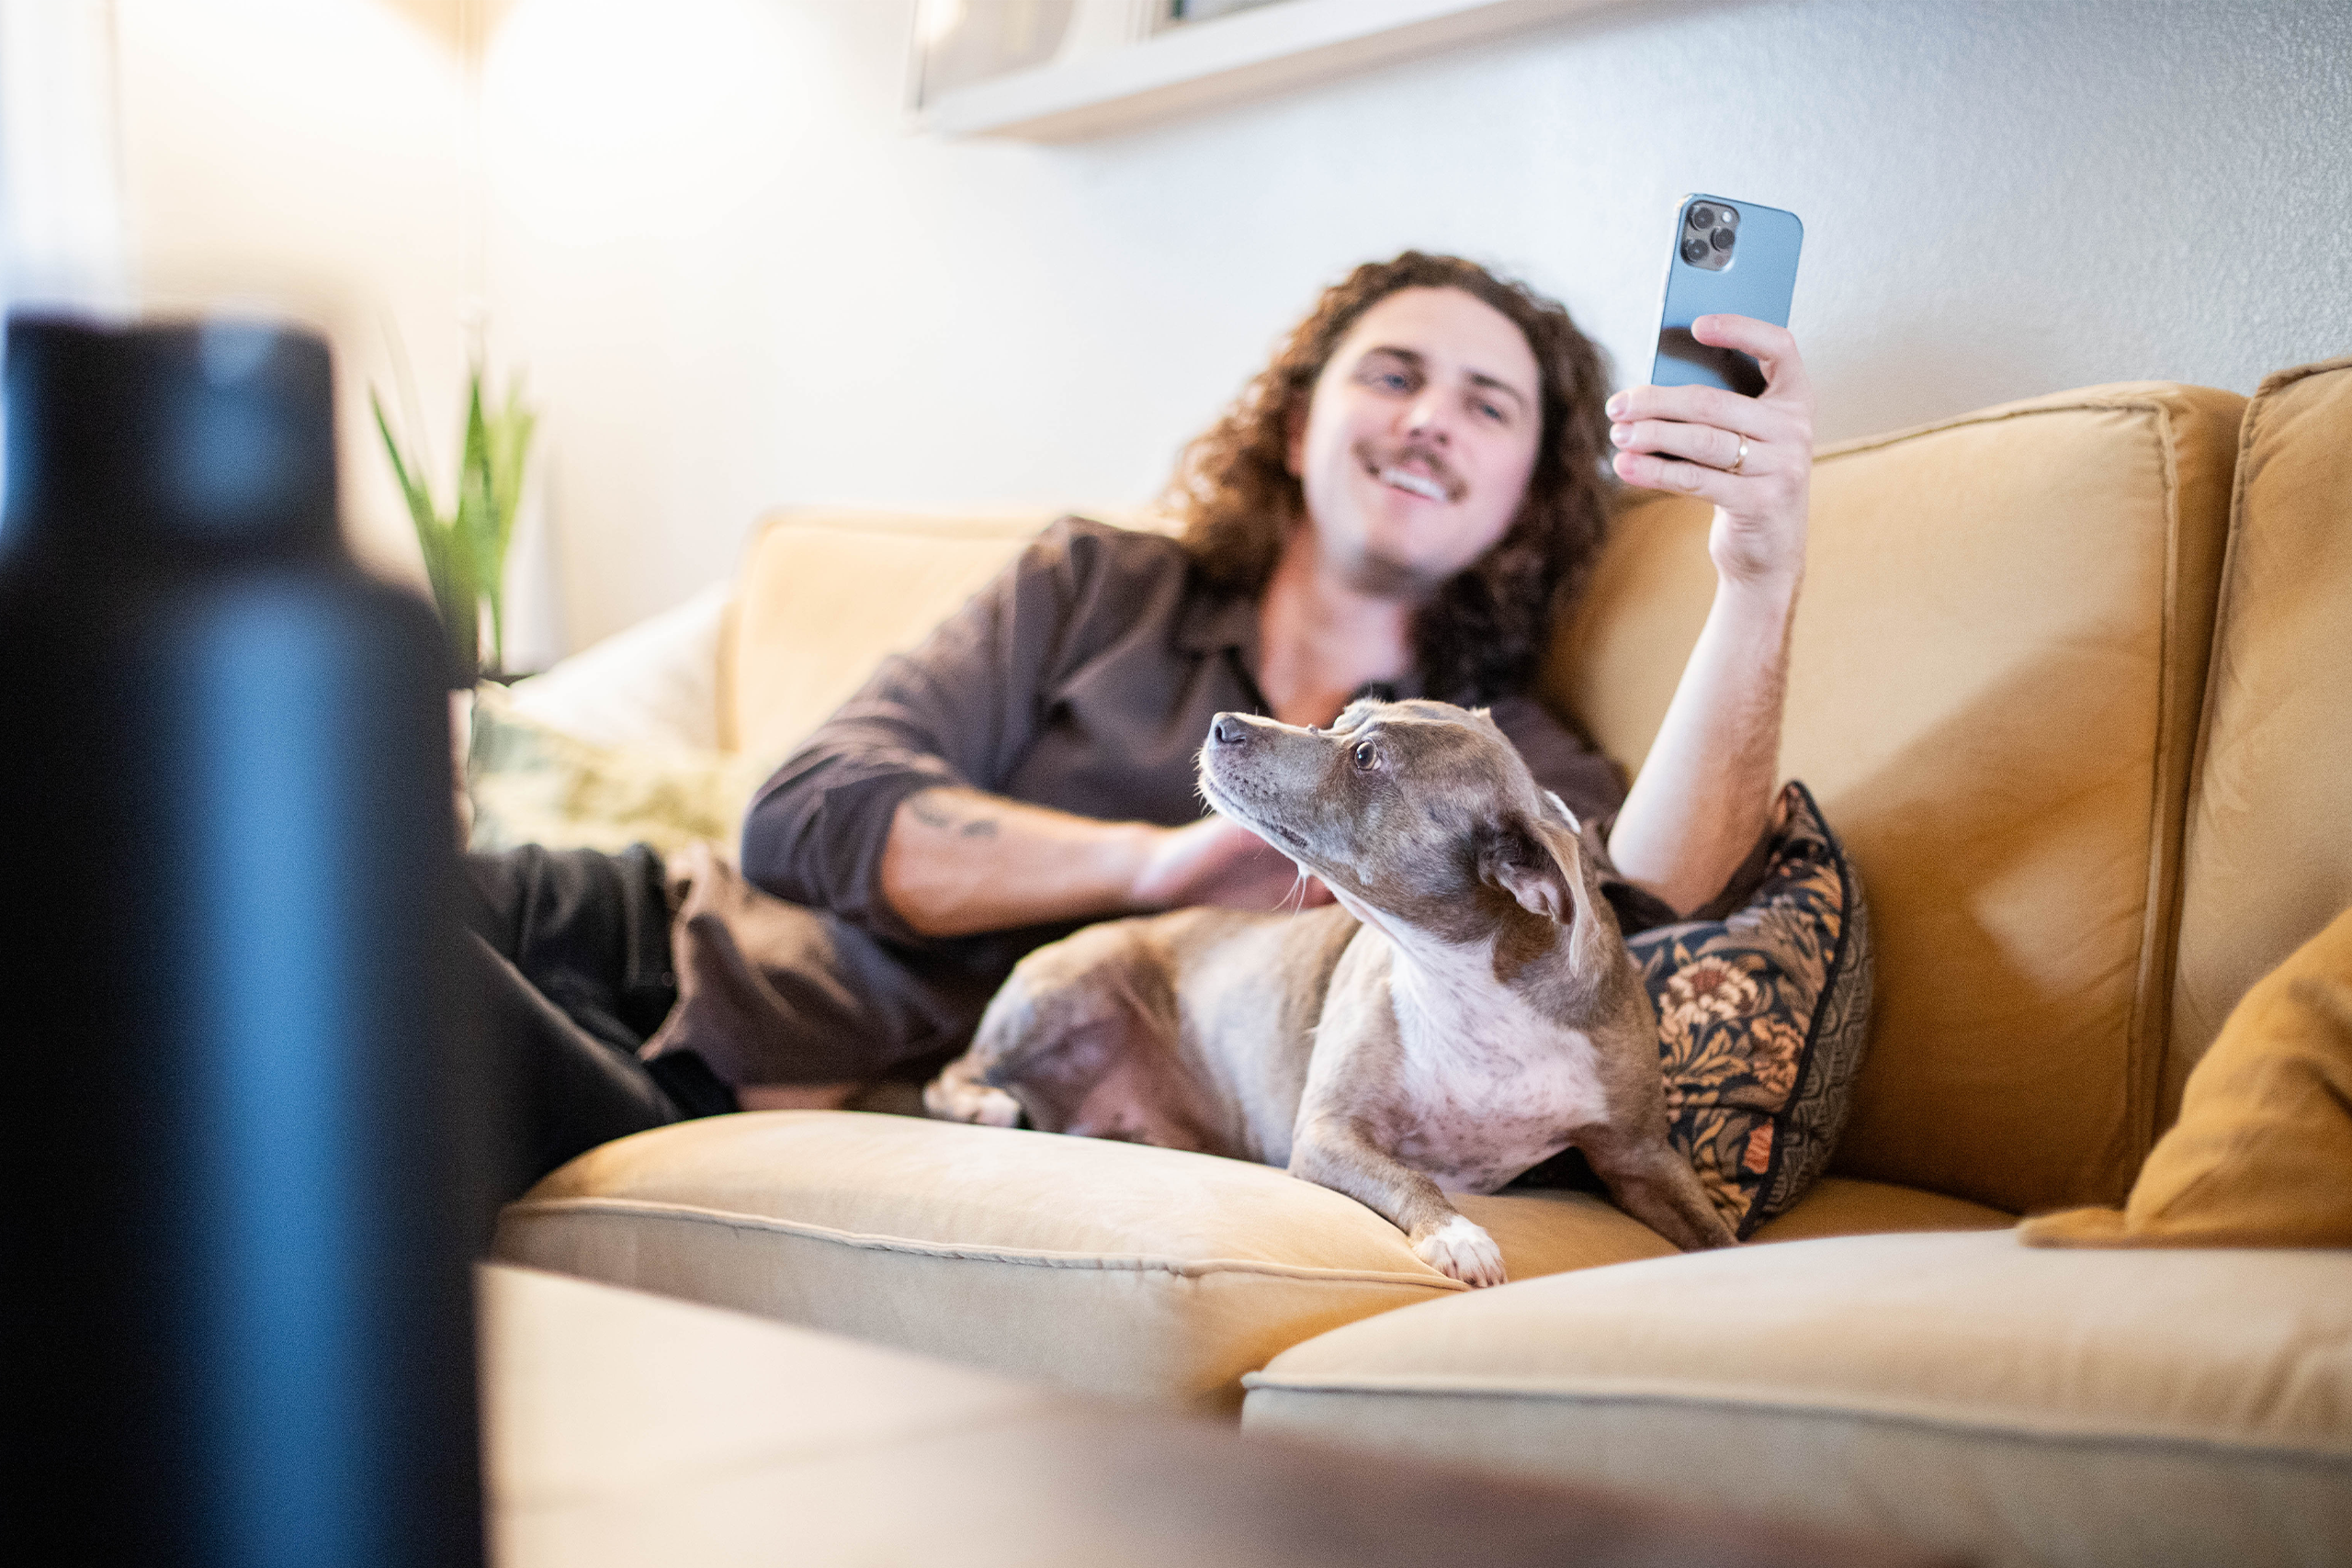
(571, 954)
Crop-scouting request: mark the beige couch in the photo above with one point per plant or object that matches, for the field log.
(2073, 677)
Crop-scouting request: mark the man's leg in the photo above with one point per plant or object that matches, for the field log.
(565, 1091)
(775, 994)
(590, 932)
(570, 954)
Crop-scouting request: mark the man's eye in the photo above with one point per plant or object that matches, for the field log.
(1489, 411)
(1365, 754)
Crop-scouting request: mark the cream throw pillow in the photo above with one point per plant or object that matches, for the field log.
(532, 783)
(2262, 1154)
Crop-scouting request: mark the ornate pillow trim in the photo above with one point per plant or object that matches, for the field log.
(1815, 1115)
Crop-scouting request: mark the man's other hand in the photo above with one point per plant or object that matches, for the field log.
(1218, 860)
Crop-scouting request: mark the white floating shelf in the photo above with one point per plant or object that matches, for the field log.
(1247, 54)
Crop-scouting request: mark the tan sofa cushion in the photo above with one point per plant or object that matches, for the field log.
(1839, 1205)
(2262, 1154)
(824, 594)
(1107, 1267)
(1102, 1267)
(2268, 856)
(625, 1429)
(1994, 694)
(2014, 1404)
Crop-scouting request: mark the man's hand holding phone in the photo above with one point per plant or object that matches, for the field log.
(1728, 416)
(1751, 457)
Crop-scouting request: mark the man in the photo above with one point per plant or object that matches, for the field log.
(1395, 504)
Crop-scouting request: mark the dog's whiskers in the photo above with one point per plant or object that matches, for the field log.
(1298, 892)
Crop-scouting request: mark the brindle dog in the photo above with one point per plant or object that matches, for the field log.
(1465, 1011)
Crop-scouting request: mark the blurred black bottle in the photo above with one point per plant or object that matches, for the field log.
(242, 1098)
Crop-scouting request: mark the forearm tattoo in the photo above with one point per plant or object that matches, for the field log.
(931, 811)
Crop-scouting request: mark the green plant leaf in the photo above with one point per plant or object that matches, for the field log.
(510, 442)
(465, 551)
(448, 566)
(413, 490)
(477, 516)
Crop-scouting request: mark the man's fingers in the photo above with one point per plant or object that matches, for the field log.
(1704, 425)
(1744, 334)
(1699, 443)
(1644, 472)
(1697, 405)
(1771, 347)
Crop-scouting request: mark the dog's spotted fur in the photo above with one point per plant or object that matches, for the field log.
(1467, 1011)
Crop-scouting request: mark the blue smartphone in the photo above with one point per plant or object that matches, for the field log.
(1734, 258)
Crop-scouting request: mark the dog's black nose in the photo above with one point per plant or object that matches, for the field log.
(1227, 730)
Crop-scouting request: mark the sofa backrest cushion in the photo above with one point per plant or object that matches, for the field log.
(1993, 693)
(825, 594)
(2268, 855)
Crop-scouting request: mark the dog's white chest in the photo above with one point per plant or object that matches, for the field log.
(1489, 1087)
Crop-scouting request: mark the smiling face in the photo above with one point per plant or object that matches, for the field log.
(1417, 446)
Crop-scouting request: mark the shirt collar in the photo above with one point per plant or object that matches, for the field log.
(1215, 621)
(1218, 622)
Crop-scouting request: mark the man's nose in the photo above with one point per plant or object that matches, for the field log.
(1427, 418)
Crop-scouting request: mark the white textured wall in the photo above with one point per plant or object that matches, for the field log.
(307, 157)
(780, 295)
(738, 280)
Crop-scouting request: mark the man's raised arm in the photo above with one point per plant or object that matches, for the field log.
(1705, 791)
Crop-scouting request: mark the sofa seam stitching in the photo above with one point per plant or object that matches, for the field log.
(1964, 421)
(1791, 1404)
(1035, 1259)
(2144, 1058)
(2260, 408)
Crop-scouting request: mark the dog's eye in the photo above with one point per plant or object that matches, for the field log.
(1366, 754)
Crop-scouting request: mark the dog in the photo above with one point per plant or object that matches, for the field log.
(1465, 1010)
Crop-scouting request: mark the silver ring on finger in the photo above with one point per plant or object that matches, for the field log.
(1740, 461)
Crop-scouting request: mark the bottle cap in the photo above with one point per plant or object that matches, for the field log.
(217, 433)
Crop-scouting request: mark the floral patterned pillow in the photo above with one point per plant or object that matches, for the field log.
(1762, 1019)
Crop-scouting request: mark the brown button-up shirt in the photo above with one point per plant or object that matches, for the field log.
(1084, 679)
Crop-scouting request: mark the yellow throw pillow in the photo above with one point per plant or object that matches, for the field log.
(2262, 1154)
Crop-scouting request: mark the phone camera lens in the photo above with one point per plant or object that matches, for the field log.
(1702, 218)
(1694, 251)
(1722, 238)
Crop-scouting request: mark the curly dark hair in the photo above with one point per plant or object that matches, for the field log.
(1481, 636)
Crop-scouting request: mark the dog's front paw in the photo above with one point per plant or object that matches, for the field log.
(953, 1098)
(1461, 1250)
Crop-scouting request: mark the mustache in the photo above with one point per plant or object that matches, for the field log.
(1377, 460)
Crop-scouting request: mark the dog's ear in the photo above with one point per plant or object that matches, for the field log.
(1518, 856)
(1568, 816)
